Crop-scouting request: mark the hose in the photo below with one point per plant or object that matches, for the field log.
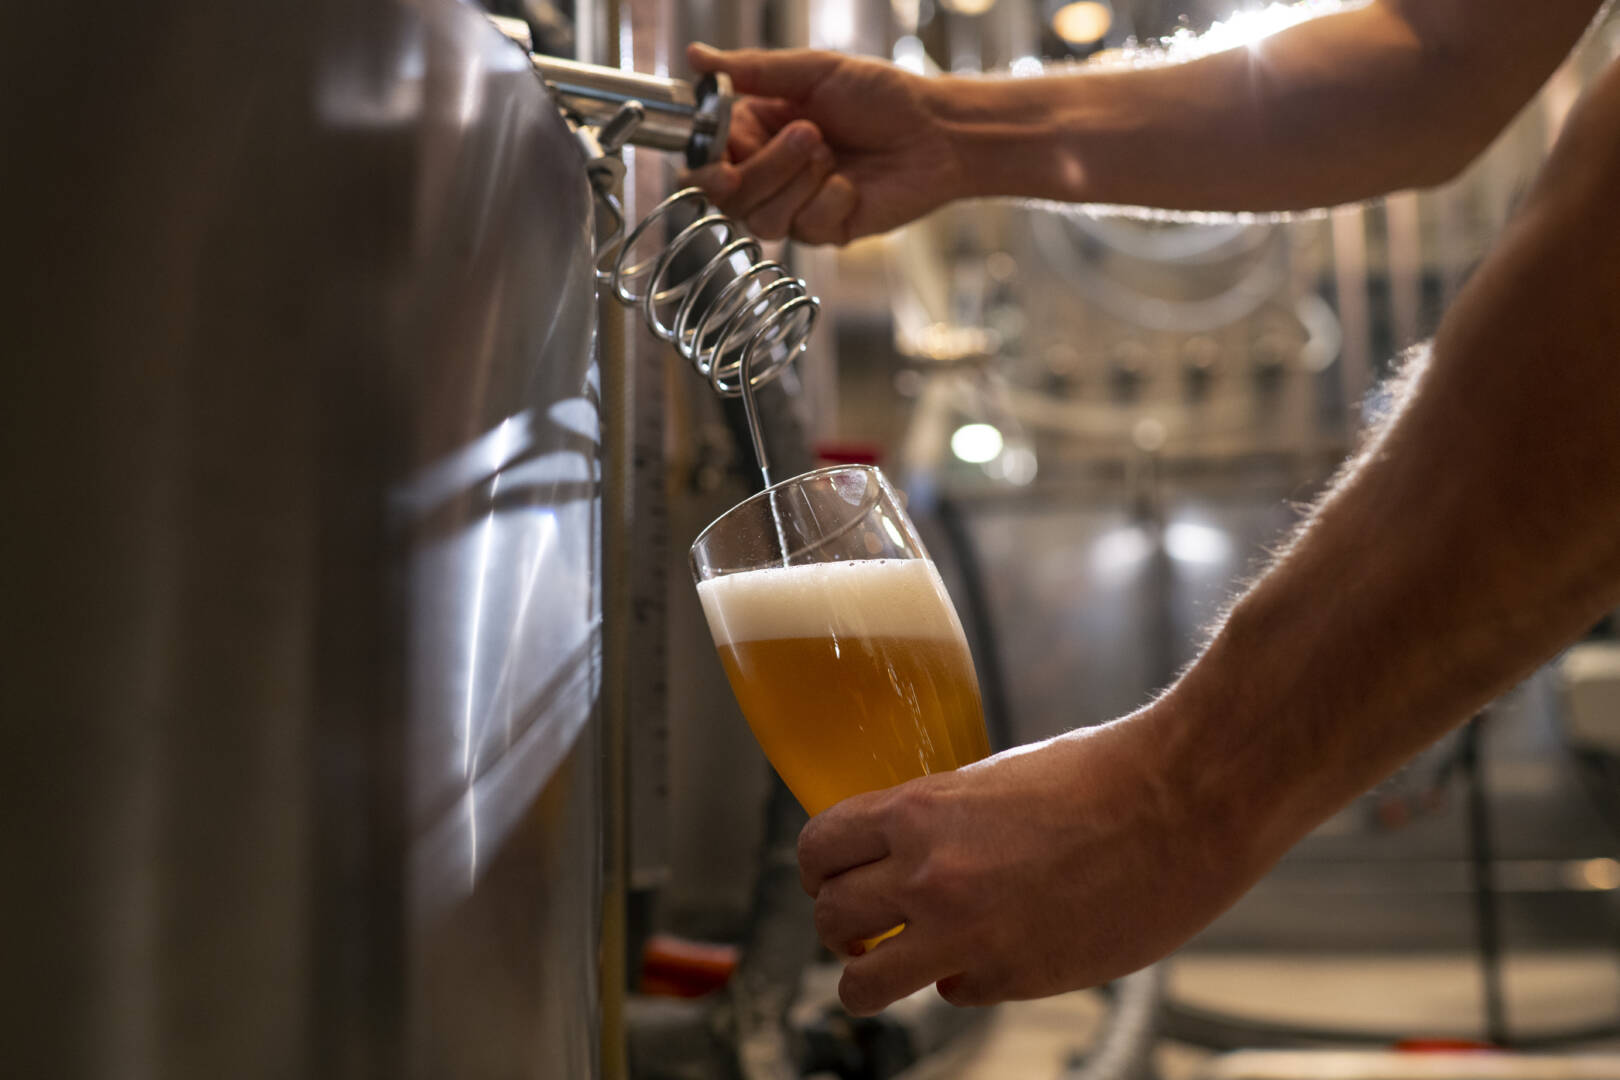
(1126, 1046)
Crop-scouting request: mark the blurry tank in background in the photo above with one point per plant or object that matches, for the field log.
(305, 521)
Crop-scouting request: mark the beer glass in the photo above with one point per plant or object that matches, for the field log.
(838, 637)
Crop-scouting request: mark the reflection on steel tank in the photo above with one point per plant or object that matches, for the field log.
(307, 431)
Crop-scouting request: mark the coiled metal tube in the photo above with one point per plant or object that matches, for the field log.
(736, 316)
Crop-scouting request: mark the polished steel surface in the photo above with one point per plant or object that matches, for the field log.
(687, 117)
(303, 517)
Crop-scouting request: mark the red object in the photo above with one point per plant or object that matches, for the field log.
(676, 967)
(849, 453)
(1440, 1046)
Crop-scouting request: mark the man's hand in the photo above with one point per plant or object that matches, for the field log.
(1047, 868)
(827, 147)
(1348, 105)
(1473, 537)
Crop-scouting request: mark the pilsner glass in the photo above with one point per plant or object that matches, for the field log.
(838, 637)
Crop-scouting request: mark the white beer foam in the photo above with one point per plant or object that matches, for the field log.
(863, 597)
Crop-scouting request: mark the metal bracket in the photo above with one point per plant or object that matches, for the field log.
(604, 167)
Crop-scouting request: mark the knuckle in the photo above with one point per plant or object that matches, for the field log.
(766, 226)
(786, 158)
(809, 876)
(926, 885)
(911, 807)
(826, 917)
(945, 888)
(807, 837)
(809, 234)
(722, 196)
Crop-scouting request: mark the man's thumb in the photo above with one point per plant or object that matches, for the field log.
(778, 73)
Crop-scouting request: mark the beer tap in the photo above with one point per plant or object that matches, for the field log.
(739, 318)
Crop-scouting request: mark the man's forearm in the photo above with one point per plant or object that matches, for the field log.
(1343, 107)
(1477, 534)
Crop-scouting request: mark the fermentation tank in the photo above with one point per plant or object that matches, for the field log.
(303, 548)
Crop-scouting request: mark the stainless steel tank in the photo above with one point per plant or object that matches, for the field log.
(301, 547)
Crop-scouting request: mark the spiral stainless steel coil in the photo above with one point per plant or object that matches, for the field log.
(739, 333)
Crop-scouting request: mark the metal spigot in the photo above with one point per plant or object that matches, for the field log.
(693, 118)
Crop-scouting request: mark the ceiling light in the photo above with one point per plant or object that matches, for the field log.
(1192, 543)
(977, 443)
(1083, 22)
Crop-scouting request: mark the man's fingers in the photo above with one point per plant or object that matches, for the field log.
(778, 73)
(771, 219)
(718, 181)
(854, 907)
(839, 839)
(905, 963)
(825, 219)
(753, 122)
(770, 170)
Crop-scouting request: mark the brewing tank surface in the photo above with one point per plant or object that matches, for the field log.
(302, 545)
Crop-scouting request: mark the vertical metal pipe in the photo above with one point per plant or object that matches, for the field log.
(1487, 923)
(1350, 289)
(1451, 240)
(618, 407)
(598, 38)
(648, 362)
(1405, 259)
(596, 32)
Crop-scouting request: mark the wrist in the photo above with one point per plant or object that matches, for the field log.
(1002, 138)
(1236, 770)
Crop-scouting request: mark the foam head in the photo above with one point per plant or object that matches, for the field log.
(860, 598)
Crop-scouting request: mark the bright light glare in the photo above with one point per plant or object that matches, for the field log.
(1018, 466)
(1250, 27)
(1190, 543)
(977, 443)
(909, 55)
(1600, 875)
(832, 25)
(1082, 22)
(894, 534)
(968, 7)
(1116, 554)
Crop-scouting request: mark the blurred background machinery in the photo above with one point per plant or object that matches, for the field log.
(1123, 412)
(369, 721)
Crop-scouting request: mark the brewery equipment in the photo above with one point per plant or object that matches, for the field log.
(309, 452)
(738, 317)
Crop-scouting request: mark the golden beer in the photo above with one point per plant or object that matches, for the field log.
(854, 675)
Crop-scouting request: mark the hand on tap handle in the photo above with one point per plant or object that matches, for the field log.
(1339, 107)
(826, 148)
